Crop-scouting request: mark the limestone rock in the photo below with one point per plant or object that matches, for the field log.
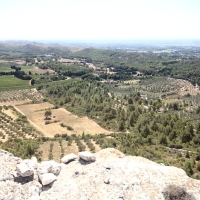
(47, 178)
(8, 164)
(112, 176)
(45, 167)
(116, 176)
(15, 188)
(25, 170)
(49, 167)
(68, 158)
(87, 156)
(10, 190)
(56, 168)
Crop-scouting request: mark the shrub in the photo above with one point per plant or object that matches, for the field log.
(69, 128)
(173, 192)
(188, 168)
(198, 166)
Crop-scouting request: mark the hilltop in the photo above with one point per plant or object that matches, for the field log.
(111, 176)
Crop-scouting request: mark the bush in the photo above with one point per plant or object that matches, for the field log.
(198, 166)
(173, 192)
(69, 128)
(188, 168)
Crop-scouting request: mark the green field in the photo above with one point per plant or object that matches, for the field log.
(5, 69)
(25, 68)
(11, 82)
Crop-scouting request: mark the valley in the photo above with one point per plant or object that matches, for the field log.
(61, 101)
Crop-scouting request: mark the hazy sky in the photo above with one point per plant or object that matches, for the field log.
(99, 19)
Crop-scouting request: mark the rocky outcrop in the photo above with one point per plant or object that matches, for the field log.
(112, 175)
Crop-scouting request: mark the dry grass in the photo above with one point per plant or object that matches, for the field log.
(14, 103)
(35, 113)
(86, 147)
(131, 82)
(45, 148)
(41, 71)
(34, 108)
(10, 113)
(171, 100)
(20, 62)
(63, 60)
(70, 149)
(56, 151)
(97, 147)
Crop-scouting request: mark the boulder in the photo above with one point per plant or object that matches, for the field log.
(47, 178)
(56, 168)
(68, 158)
(29, 163)
(87, 156)
(45, 167)
(49, 167)
(25, 170)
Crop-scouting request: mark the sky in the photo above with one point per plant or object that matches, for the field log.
(99, 19)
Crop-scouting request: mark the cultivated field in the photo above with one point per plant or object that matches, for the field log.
(64, 60)
(18, 97)
(30, 103)
(34, 69)
(35, 113)
(11, 81)
(20, 62)
(57, 149)
(5, 69)
(14, 125)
